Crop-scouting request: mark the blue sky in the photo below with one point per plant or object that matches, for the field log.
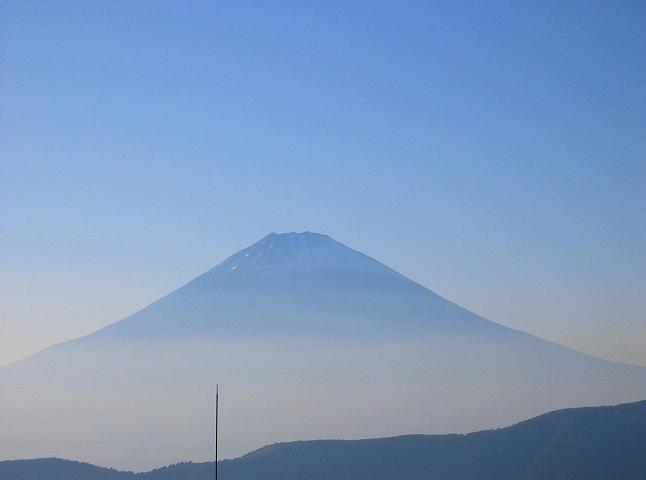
(493, 151)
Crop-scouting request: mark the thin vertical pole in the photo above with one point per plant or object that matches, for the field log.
(216, 432)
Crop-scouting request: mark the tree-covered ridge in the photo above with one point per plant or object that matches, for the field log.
(580, 443)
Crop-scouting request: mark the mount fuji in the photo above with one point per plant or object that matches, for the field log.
(308, 339)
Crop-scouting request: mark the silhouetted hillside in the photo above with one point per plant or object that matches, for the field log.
(583, 443)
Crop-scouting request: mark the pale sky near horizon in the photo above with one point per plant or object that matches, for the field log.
(494, 152)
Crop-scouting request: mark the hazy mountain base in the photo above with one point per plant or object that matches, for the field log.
(287, 388)
(309, 339)
(602, 443)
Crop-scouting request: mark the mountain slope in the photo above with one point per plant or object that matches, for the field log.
(298, 284)
(604, 443)
(311, 339)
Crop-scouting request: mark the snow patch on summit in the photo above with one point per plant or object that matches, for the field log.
(301, 251)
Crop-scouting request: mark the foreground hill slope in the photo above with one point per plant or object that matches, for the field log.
(596, 443)
(302, 330)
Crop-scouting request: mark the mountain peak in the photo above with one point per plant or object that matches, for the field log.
(298, 237)
(301, 251)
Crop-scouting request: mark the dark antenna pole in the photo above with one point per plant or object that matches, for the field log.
(216, 432)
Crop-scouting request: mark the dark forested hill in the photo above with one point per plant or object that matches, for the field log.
(582, 443)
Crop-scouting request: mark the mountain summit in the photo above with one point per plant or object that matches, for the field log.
(301, 251)
(302, 332)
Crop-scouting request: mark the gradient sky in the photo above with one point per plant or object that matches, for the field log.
(493, 151)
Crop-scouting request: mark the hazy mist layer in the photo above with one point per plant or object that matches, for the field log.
(307, 339)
